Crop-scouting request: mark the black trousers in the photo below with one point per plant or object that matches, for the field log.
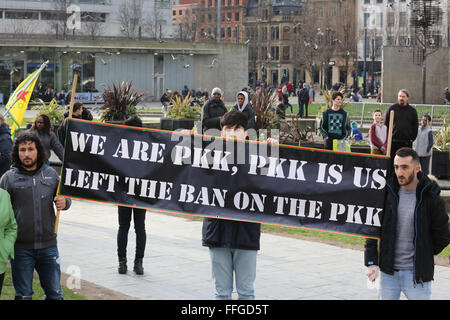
(395, 145)
(124, 227)
(2, 277)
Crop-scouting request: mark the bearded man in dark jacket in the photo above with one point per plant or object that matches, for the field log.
(406, 123)
(414, 228)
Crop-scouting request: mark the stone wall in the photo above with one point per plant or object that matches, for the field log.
(400, 72)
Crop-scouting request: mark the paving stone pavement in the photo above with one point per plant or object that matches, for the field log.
(177, 266)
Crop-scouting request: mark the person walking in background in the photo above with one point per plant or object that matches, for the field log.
(285, 97)
(213, 110)
(32, 186)
(8, 228)
(334, 122)
(5, 146)
(414, 228)
(165, 101)
(311, 93)
(378, 134)
(406, 124)
(125, 214)
(42, 127)
(303, 99)
(424, 143)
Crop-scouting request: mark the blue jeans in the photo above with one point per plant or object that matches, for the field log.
(402, 281)
(47, 267)
(243, 262)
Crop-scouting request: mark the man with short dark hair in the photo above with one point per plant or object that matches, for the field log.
(414, 228)
(233, 245)
(32, 186)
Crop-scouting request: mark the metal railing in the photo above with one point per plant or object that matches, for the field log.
(362, 112)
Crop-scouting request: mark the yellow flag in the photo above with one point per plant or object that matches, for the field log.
(18, 102)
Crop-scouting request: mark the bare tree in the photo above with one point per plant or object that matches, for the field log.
(131, 17)
(152, 24)
(58, 21)
(93, 26)
(187, 26)
(425, 18)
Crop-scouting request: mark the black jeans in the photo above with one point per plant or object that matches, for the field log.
(124, 226)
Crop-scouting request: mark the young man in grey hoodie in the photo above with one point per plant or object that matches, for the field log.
(424, 143)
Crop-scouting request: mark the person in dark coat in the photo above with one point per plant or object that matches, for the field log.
(213, 110)
(414, 228)
(233, 245)
(303, 100)
(5, 146)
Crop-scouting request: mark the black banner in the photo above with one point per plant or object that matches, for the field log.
(214, 177)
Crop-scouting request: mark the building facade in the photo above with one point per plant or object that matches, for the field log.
(292, 41)
(387, 23)
(97, 18)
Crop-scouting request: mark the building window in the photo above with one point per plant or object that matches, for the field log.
(229, 16)
(21, 15)
(286, 51)
(366, 1)
(275, 53)
(380, 19)
(390, 19)
(180, 12)
(229, 32)
(366, 19)
(236, 16)
(275, 33)
(402, 19)
(174, 12)
(379, 1)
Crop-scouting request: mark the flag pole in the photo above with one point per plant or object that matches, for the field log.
(72, 100)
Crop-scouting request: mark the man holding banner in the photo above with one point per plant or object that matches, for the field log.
(32, 186)
(233, 245)
(414, 227)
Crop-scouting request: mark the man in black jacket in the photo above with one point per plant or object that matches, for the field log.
(414, 227)
(213, 110)
(406, 123)
(233, 245)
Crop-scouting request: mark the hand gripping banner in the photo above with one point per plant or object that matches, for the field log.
(213, 177)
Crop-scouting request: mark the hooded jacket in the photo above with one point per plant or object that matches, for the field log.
(32, 195)
(8, 230)
(5, 148)
(431, 229)
(246, 109)
(212, 111)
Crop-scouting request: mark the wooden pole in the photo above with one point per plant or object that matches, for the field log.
(72, 100)
(391, 128)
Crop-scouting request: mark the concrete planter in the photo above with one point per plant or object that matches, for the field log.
(440, 166)
(174, 124)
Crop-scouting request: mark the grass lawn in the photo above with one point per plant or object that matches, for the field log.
(8, 289)
(326, 236)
